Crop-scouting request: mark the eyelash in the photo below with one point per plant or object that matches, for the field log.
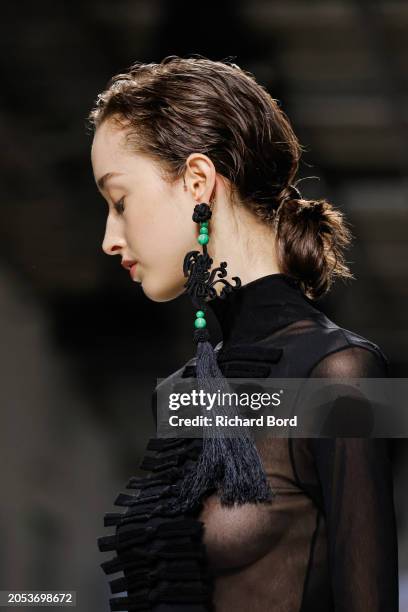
(119, 207)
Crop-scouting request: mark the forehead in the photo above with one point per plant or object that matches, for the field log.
(107, 149)
(110, 154)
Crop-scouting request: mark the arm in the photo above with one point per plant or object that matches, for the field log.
(356, 480)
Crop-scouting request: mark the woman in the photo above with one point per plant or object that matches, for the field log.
(192, 142)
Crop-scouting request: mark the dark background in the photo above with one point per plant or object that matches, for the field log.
(81, 344)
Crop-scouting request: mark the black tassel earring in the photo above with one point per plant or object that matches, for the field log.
(230, 466)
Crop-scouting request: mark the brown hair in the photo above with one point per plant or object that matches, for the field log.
(185, 105)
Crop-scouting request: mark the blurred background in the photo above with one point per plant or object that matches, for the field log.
(81, 345)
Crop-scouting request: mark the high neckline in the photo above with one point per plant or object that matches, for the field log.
(260, 307)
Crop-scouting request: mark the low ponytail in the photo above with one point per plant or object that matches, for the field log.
(311, 236)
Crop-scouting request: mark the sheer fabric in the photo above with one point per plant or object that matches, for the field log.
(327, 540)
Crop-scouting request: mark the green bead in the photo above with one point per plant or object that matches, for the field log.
(200, 322)
(200, 314)
(203, 230)
(204, 223)
(203, 239)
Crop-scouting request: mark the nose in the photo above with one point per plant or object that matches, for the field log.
(113, 241)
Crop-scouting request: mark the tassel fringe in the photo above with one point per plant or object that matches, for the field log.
(230, 466)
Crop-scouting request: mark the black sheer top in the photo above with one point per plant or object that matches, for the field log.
(327, 541)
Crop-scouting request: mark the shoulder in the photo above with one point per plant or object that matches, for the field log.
(297, 349)
(312, 346)
(346, 353)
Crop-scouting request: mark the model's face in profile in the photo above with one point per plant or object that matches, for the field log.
(149, 220)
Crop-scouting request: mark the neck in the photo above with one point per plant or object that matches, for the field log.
(244, 241)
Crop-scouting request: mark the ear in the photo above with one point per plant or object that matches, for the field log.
(200, 177)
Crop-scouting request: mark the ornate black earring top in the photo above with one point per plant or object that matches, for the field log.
(196, 266)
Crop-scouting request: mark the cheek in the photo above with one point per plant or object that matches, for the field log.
(162, 250)
(172, 241)
(161, 239)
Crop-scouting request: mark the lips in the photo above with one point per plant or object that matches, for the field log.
(127, 263)
(131, 266)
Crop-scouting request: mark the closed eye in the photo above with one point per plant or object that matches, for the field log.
(119, 206)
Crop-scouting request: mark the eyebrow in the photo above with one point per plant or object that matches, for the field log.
(101, 182)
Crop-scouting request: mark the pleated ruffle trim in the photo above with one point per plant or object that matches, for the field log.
(158, 542)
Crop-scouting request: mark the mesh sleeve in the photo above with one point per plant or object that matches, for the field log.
(356, 480)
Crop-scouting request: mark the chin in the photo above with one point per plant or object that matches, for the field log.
(160, 291)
